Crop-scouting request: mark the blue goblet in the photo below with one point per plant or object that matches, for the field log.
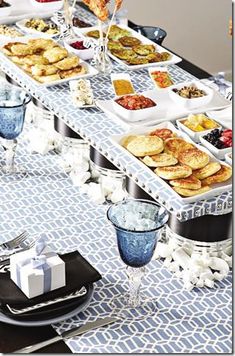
(137, 225)
(13, 101)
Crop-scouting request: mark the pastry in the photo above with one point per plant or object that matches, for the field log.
(22, 49)
(47, 78)
(125, 54)
(222, 175)
(194, 158)
(144, 50)
(190, 182)
(174, 172)
(207, 171)
(55, 54)
(141, 146)
(67, 63)
(160, 160)
(154, 57)
(191, 192)
(44, 70)
(127, 140)
(35, 59)
(137, 61)
(72, 72)
(114, 45)
(177, 145)
(117, 32)
(164, 134)
(128, 41)
(42, 44)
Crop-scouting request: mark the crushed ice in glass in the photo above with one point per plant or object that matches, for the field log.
(138, 216)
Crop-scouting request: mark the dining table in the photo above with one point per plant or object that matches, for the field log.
(46, 202)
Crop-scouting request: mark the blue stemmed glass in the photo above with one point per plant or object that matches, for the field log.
(137, 225)
(13, 101)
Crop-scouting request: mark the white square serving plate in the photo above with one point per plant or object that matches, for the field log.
(217, 189)
(166, 108)
(173, 60)
(90, 71)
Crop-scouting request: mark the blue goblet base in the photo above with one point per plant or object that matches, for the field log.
(121, 308)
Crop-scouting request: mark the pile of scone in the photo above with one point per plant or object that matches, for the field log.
(44, 60)
(189, 170)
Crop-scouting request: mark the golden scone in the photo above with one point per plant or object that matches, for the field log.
(22, 49)
(127, 140)
(177, 145)
(174, 172)
(55, 54)
(35, 59)
(194, 158)
(44, 70)
(160, 160)
(18, 59)
(191, 192)
(222, 175)
(7, 48)
(72, 72)
(68, 63)
(141, 146)
(207, 171)
(187, 183)
(42, 44)
(47, 78)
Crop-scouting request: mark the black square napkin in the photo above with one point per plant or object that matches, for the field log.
(79, 273)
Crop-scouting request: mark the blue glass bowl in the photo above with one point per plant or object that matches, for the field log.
(155, 34)
(13, 101)
(136, 247)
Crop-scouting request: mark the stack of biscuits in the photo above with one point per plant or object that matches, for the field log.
(188, 170)
(44, 60)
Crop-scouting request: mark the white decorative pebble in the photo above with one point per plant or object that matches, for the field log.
(164, 250)
(218, 264)
(200, 283)
(181, 257)
(209, 283)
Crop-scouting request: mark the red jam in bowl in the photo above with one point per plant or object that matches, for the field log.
(78, 45)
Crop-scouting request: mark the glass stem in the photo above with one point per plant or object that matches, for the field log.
(10, 156)
(135, 276)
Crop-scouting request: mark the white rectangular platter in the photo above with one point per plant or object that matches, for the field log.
(217, 189)
(22, 9)
(91, 71)
(173, 60)
(166, 109)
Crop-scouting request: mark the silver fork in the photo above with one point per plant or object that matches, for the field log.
(16, 241)
(5, 258)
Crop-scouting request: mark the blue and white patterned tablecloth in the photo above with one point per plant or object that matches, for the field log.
(97, 128)
(199, 321)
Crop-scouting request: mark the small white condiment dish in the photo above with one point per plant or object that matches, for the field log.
(84, 54)
(134, 115)
(192, 103)
(48, 6)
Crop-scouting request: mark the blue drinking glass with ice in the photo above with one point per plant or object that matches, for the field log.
(137, 224)
(13, 101)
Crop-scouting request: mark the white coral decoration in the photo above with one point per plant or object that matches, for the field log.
(195, 269)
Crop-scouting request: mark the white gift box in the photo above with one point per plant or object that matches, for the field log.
(36, 280)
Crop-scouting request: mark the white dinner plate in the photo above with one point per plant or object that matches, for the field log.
(166, 108)
(217, 189)
(21, 25)
(173, 60)
(79, 309)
